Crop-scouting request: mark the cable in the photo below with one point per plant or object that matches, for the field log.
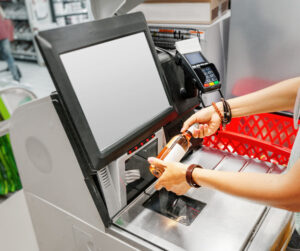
(164, 50)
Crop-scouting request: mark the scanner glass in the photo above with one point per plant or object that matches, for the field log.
(118, 86)
(179, 208)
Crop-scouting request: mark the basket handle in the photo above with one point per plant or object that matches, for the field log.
(4, 125)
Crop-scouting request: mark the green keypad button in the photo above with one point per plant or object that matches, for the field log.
(216, 82)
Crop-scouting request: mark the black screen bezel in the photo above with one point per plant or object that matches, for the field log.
(53, 43)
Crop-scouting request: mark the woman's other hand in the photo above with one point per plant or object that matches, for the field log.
(173, 178)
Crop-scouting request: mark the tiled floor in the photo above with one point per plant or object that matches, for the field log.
(35, 77)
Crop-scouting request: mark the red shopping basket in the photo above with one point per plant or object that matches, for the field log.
(268, 137)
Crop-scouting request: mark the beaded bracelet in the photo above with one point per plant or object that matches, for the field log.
(217, 110)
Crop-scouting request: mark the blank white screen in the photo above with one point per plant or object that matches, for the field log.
(117, 85)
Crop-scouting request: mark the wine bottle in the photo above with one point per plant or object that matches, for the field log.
(174, 150)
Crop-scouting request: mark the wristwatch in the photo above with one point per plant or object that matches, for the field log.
(189, 175)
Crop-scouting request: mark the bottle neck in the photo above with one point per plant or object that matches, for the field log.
(188, 135)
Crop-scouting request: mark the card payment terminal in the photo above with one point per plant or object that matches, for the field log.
(205, 75)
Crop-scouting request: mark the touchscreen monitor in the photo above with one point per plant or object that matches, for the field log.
(117, 85)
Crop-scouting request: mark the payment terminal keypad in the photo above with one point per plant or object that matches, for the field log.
(211, 79)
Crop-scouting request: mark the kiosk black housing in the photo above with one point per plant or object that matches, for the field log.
(55, 42)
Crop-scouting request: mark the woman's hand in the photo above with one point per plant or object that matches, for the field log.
(173, 178)
(209, 122)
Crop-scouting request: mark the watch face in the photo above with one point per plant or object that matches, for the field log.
(178, 208)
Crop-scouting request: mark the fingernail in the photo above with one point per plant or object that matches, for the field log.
(150, 159)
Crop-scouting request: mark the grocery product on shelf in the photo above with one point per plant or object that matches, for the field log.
(22, 31)
(15, 11)
(69, 12)
(166, 36)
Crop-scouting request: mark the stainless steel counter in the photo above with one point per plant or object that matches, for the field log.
(225, 223)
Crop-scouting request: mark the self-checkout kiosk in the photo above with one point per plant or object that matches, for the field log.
(82, 151)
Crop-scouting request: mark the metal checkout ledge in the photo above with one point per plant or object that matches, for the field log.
(79, 149)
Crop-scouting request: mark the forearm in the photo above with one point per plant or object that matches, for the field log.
(271, 189)
(277, 97)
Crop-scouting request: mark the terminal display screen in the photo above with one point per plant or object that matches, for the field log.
(118, 87)
(179, 208)
(194, 58)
